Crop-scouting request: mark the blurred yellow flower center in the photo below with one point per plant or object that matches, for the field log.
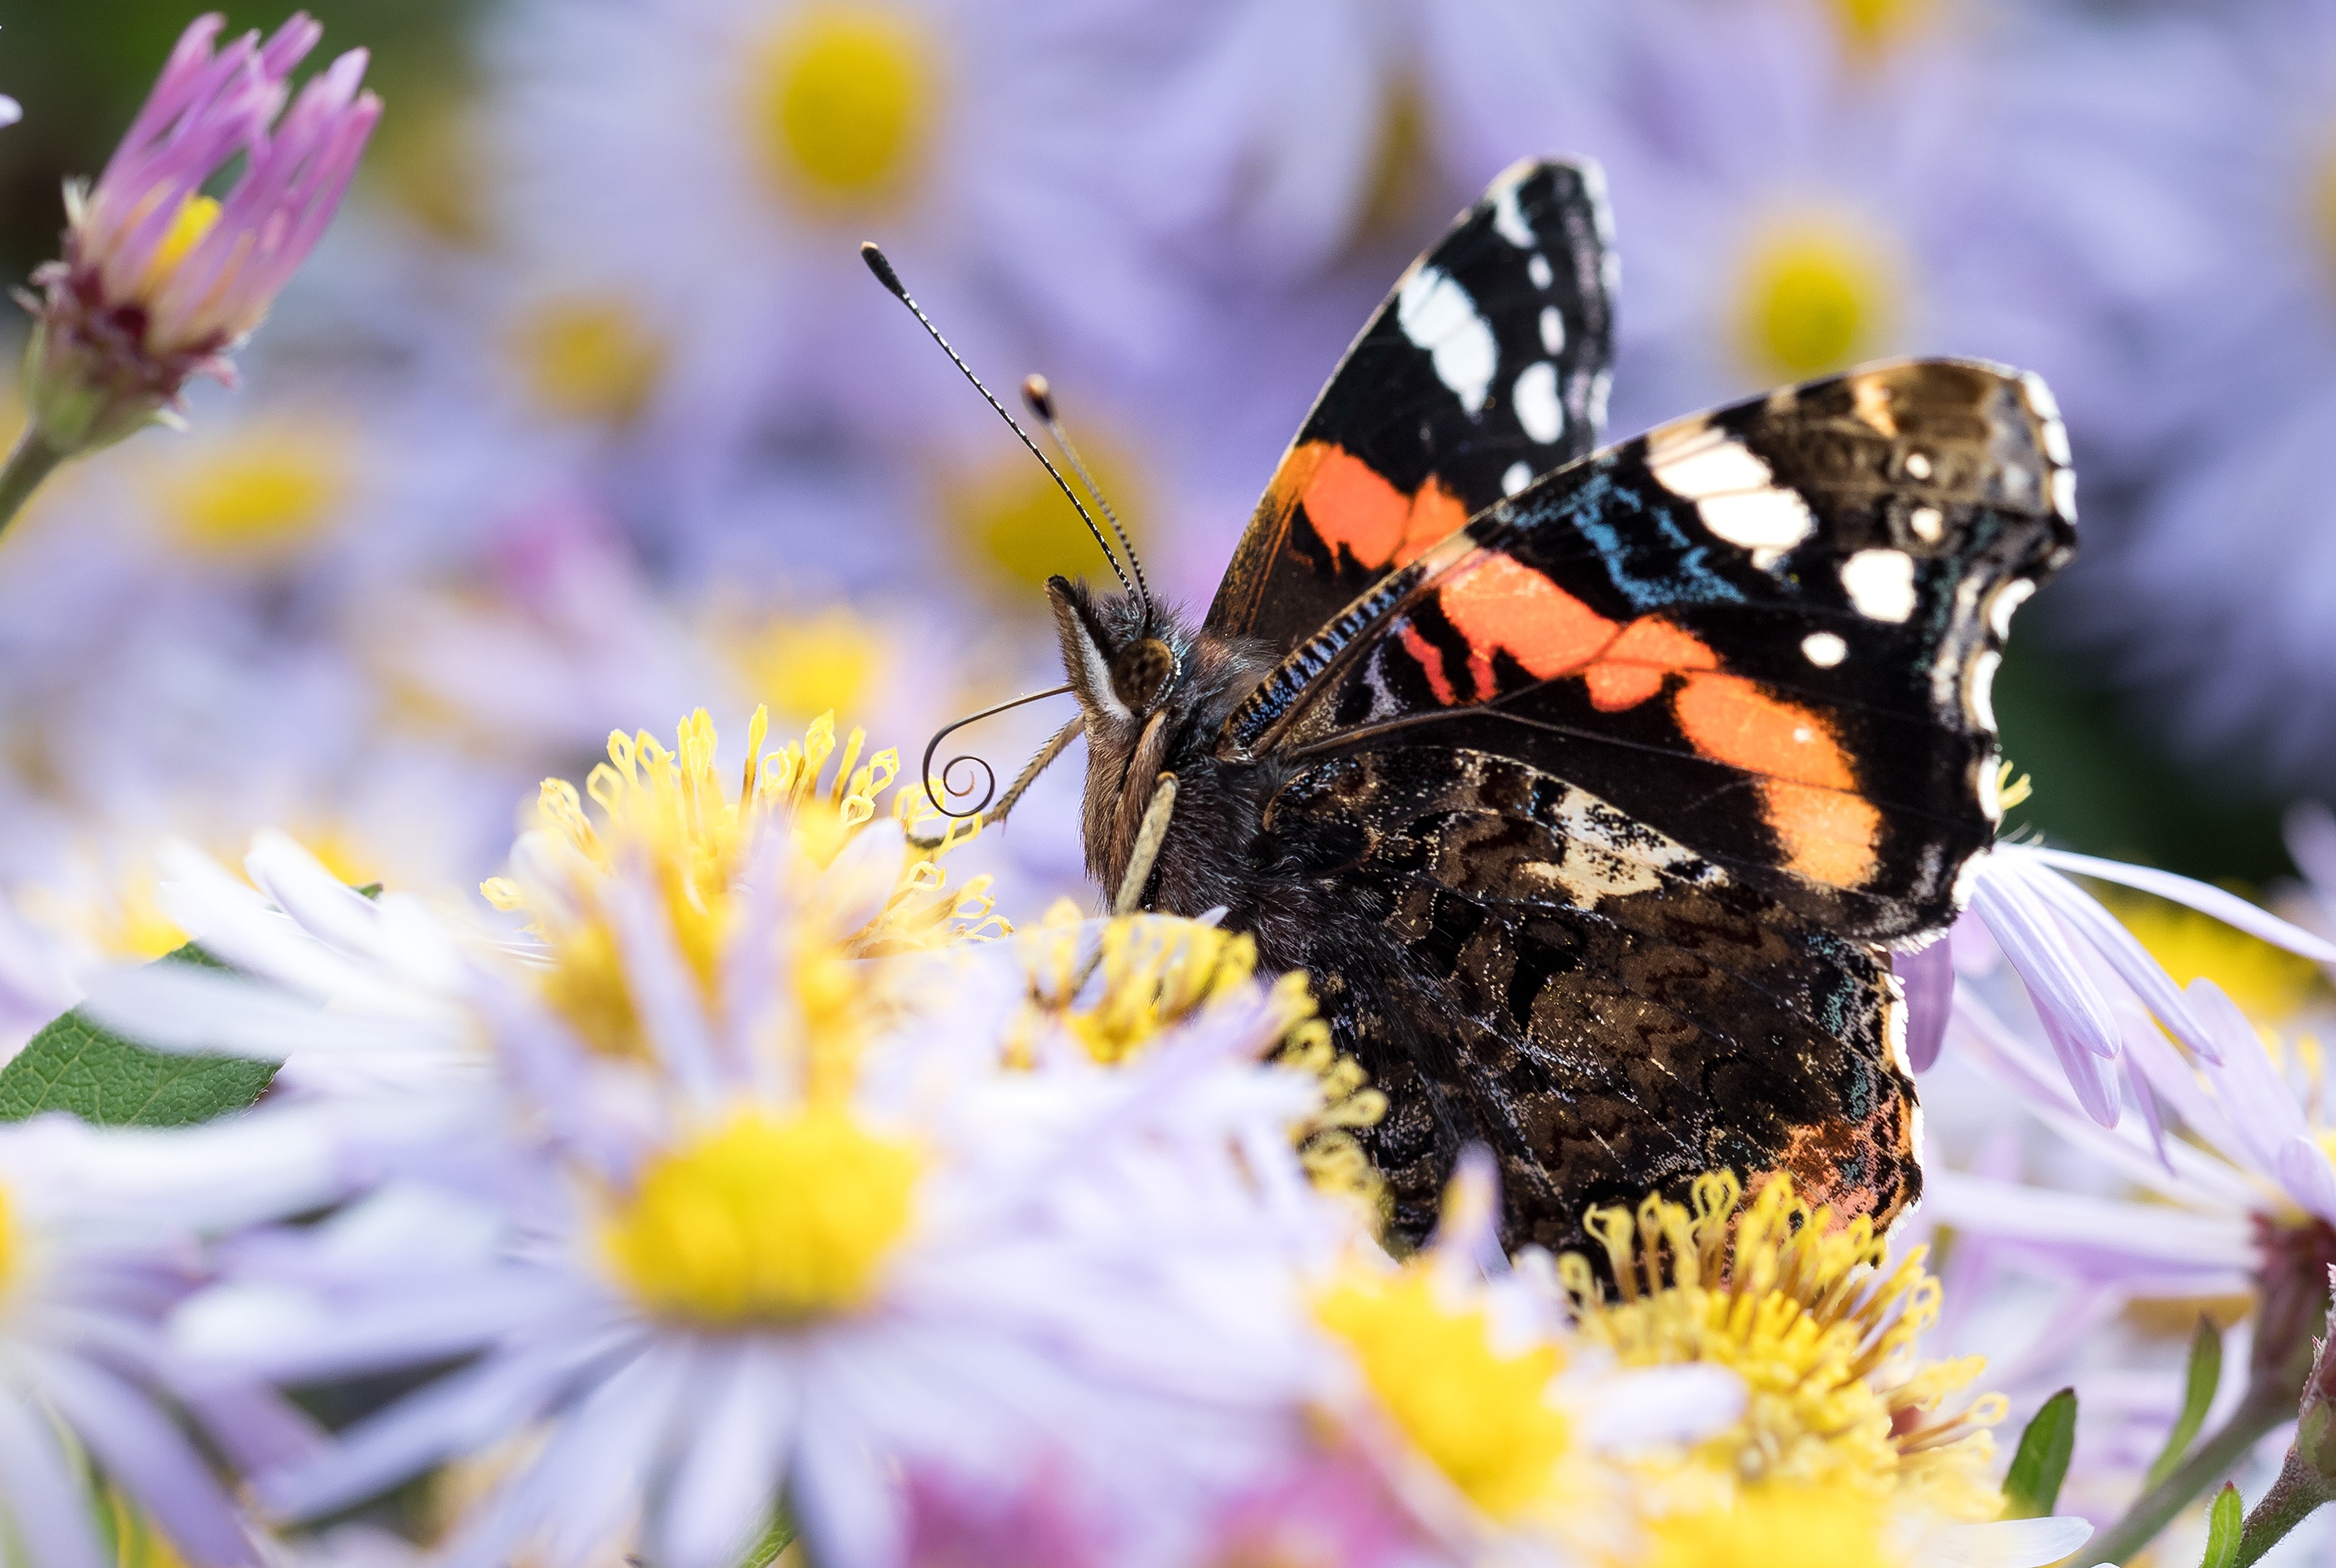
(259, 493)
(826, 663)
(1481, 1417)
(1825, 1342)
(1871, 27)
(1814, 297)
(1018, 527)
(2269, 985)
(589, 359)
(193, 219)
(1807, 1526)
(765, 1221)
(844, 103)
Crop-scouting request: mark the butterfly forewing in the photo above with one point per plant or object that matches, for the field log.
(1766, 633)
(1485, 368)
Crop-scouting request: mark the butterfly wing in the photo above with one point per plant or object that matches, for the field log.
(1767, 633)
(1485, 368)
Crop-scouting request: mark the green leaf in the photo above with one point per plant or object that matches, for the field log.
(2033, 1483)
(775, 1540)
(76, 1064)
(2224, 1519)
(2199, 1383)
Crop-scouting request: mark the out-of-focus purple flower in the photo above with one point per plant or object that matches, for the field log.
(158, 281)
(94, 1247)
(2089, 977)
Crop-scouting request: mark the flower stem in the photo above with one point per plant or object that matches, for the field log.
(32, 460)
(2260, 1412)
(2298, 1490)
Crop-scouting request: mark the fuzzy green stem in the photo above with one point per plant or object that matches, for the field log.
(32, 460)
(2291, 1499)
(2261, 1412)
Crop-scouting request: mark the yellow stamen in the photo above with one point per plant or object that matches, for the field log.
(1871, 27)
(1823, 1339)
(194, 218)
(825, 663)
(765, 1221)
(1481, 1416)
(259, 493)
(1817, 294)
(589, 359)
(844, 103)
(1763, 1526)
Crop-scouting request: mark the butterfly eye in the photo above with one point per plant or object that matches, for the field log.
(1141, 671)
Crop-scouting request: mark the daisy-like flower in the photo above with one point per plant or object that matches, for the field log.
(1499, 1428)
(778, 1248)
(2079, 963)
(1842, 1436)
(160, 281)
(95, 1243)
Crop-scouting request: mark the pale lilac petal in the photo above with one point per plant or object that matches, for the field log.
(2084, 1068)
(2042, 953)
(590, 1482)
(1665, 1405)
(45, 1505)
(2228, 908)
(2262, 1106)
(2005, 1543)
(10, 110)
(2304, 1171)
(148, 1455)
(2146, 1232)
(1928, 978)
(728, 1476)
(2131, 961)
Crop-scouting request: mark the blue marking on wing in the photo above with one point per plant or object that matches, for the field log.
(1647, 558)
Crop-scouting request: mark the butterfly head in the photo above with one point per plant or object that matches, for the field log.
(1123, 659)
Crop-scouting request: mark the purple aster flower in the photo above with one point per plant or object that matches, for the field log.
(94, 1247)
(158, 281)
(2189, 160)
(2090, 980)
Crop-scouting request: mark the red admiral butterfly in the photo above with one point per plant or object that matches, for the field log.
(1592, 787)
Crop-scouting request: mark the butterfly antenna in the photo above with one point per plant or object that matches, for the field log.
(1039, 398)
(890, 279)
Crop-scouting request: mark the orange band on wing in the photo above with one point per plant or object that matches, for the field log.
(1500, 604)
(1352, 505)
(1807, 789)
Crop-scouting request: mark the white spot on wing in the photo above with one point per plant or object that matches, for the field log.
(1509, 219)
(2004, 601)
(1928, 523)
(1979, 695)
(1516, 477)
(1824, 650)
(2064, 492)
(2056, 442)
(1880, 583)
(1552, 330)
(1437, 315)
(1990, 790)
(2039, 396)
(1918, 464)
(1538, 408)
(1732, 487)
(1538, 269)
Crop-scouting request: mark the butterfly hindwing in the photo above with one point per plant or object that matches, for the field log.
(1766, 633)
(1607, 1011)
(1485, 368)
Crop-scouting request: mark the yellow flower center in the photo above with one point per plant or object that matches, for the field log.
(1481, 1417)
(1020, 531)
(2270, 986)
(1807, 1526)
(259, 493)
(193, 219)
(1869, 27)
(592, 360)
(1816, 294)
(765, 1221)
(824, 664)
(117, 911)
(1823, 1340)
(844, 104)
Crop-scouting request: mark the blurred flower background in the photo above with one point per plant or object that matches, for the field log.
(586, 413)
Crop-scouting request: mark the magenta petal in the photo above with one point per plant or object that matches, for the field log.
(1928, 978)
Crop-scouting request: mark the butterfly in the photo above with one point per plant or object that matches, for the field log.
(1594, 787)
